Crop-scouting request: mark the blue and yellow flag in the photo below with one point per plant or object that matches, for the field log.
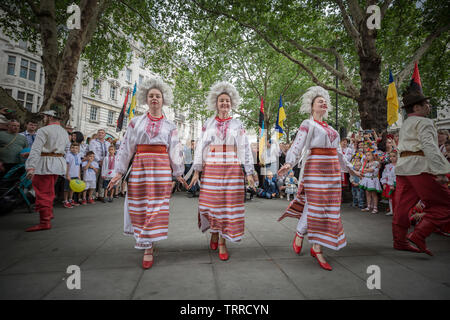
(262, 134)
(132, 107)
(392, 101)
(280, 118)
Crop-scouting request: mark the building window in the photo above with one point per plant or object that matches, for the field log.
(112, 92)
(21, 97)
(129, 75)
(29, 103)
(41, 75)
(32, 73)
(93, 114)
(110, 117)
(24, 68)
(11, 65)
(96, 86)
(141, 78)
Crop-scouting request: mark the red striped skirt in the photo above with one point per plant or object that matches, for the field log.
(221, 200)
(320, 191)
(147, 200)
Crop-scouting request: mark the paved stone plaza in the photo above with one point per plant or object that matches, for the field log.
(262, 266)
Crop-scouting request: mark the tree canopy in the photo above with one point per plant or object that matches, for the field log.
(266, 48)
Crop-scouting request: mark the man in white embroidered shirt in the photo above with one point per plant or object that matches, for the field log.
(100, 148)
(45, 163)
(421, 175)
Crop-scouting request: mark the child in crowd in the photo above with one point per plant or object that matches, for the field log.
(270, 187)
(370, 182)
(358, 154)
(73, 160)
(357, 192)
(90, 168)
(348, 154)
(249, 189)
(108, 173)
(388, 180)
(291, 185)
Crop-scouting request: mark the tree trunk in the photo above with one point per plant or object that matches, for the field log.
(61, 67)
(372, 101)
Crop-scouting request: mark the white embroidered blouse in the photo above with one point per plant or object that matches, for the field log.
(313, 135)
(228, 132)
(143, 130)
(388, 176)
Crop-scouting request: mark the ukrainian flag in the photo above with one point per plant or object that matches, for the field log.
(132, 107)
(280, 118)
(392, 101)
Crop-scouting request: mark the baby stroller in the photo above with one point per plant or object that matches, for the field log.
(15, 189)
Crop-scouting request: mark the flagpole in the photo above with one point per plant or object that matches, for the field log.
(337, 84)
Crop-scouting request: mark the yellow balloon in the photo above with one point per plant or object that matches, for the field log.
(77, 185)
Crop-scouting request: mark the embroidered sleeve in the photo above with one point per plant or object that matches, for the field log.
(343, 161)
(201, 146)
(176, 154)
(427, 135)
(126, 150)
(245, 150)
(295, 151)
(36, 149)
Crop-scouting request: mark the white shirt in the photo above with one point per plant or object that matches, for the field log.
(99, 148)
(139, 132)
(348, 154)
(313, 135)
(89, 174)
(108, 172)
(235, 135)
(73, 162)
(51, 138)
(419, 133)
(388, 176)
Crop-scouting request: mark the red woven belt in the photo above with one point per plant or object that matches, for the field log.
(323, 151)
(151, 148)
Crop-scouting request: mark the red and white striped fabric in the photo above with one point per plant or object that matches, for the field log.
(147, 201)
(322, 189)
(221, 201)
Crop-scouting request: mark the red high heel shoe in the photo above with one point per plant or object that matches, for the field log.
(147, 264)
(297, 249)
(213, 245)
(325, 265)
(223, 256)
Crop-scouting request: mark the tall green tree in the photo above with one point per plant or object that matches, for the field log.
(332, 39)
(104, 39)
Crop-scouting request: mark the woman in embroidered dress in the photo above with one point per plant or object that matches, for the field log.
(220, 152)
(159, 155)
(318, 199)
